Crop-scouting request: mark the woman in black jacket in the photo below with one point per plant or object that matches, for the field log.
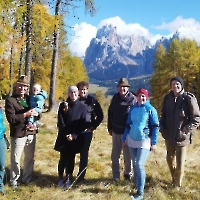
(71, 122)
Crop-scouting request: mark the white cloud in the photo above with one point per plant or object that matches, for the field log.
(123, 28)
(83, 33)
(130, 29)
(177, 23)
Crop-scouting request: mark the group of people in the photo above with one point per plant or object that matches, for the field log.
(78, 117)
(134, 125)
(132, 122)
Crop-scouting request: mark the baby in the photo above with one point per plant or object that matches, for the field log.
(36, 101)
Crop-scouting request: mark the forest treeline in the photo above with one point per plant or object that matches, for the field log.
(34, 42)
(182, 58)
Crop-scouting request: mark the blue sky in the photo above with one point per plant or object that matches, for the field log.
(152, 18)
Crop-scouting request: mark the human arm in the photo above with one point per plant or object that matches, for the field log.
(78, 122)
(60, 119)
(154, 127)
(128, 126)
(163, 116)
(97, 115)
(153, 148)
(15, 112)
(110, 115)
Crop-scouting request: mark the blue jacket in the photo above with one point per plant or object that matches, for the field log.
(142, 122)
(2, 126)
(37, 101)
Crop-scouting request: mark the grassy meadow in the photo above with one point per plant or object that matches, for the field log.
(99, 184)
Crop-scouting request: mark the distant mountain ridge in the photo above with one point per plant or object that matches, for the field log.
(112, 56)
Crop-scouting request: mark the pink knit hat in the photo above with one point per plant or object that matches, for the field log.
(143, 91)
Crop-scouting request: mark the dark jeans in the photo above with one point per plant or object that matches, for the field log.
(86, 138)
(66, 162)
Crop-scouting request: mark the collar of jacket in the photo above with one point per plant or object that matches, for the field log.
(83, 98)
(123, 97)
(22, 101)
(179, 94)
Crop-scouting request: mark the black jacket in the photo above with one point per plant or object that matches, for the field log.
(71, 120)
(94, 114)
(118, 112)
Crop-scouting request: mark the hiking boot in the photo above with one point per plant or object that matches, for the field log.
(68, 182)
(61, 183)
(127, 177)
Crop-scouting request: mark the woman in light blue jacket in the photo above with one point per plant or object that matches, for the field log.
(141, 135)
(2, 151)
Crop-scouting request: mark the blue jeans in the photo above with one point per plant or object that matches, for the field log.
(139, 156)
(2, 162)
(86, 138)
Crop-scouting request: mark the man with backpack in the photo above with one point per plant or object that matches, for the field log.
(180, 116)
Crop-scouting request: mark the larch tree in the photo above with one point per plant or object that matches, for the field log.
(89, 6)
(181, 59)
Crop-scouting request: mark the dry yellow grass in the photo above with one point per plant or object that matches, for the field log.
(99, 184)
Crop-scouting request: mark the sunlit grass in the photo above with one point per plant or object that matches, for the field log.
(99, 184)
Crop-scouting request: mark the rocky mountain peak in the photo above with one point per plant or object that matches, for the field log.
(111, 55)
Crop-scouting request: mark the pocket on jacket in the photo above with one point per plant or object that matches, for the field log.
(181, 136)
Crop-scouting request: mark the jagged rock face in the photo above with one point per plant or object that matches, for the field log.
(111, 56)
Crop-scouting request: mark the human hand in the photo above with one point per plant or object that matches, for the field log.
(89, 130)
(69, 137)
(124, 145)
(185, 130)
(153, 148)
(34, 112)
(7, 142)
(30, 113)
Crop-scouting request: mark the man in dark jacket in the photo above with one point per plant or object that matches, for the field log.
(117, 116)
(180, 116)
(94, 117)
(17, 111)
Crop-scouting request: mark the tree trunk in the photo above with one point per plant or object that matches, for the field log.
(11, 71)
(28, 58)
(20, 64)
(54, 60)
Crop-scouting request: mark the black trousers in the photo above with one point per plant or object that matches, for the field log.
(86, 138)
(66, 163)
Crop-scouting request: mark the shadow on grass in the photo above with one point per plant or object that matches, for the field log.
(39, 179)
(95, 185)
